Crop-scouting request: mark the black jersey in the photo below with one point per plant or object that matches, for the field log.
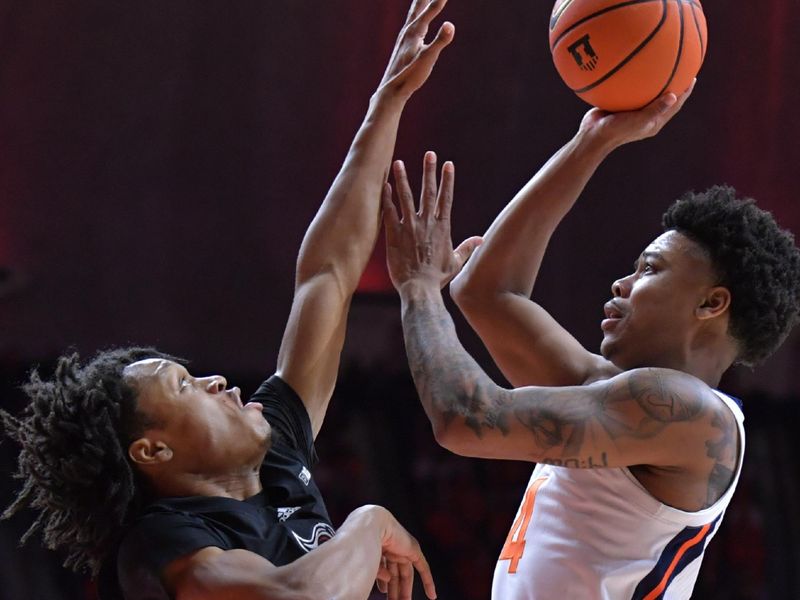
(284, 521)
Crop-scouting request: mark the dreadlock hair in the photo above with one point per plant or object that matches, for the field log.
(74, 465)
(753, 257)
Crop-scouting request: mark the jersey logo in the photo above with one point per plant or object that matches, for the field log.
(322, 532)
(305, 476)
(286, 512)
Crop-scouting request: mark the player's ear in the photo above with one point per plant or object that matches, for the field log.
(716, 301)
(145, 451)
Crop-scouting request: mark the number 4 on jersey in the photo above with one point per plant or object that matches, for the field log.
(515, 542)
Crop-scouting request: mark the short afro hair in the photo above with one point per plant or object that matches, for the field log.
(753, 257)
(74, 462)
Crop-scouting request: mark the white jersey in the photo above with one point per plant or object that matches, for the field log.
(597, 534)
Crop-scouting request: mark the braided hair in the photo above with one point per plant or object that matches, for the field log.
(74, 435)
(753, 257)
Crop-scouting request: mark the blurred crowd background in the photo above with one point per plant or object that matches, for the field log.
(160, 161)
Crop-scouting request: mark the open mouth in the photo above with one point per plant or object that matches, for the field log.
(613, 316)
(611, 311)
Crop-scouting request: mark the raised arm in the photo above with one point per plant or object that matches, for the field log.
(343, 568)
(341, 237)
(661, 418)
(494, 289)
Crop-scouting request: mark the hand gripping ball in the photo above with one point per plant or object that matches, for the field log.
(622, 55)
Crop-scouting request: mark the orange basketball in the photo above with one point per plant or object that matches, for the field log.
(622, 55)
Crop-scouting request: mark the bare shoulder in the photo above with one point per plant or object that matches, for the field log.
(698, 431)
(666, 395)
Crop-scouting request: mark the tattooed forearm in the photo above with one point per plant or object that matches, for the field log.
(587, 426)
(450, 383)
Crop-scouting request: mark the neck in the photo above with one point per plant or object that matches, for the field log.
(232, 485)
(708, 362)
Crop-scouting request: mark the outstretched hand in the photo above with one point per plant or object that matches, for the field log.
(412, 60)
(624, 127)
(418, 243)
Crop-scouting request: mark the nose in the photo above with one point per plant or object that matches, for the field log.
(621, 287)
(216, 384)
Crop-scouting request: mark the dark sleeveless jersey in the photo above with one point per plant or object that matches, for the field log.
(284, 521)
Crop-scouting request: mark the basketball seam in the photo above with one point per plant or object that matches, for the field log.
(699, 33)
(597, 14)
(628, 58)
(680, 51)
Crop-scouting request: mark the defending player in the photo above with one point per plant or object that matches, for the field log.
(160, 477)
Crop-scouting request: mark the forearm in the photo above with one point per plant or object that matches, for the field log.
(343, 568)
(514, 245)
(455, 392)
(343, 233)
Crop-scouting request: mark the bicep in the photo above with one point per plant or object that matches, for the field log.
(645, 416)
(528, 345)
(312, 342)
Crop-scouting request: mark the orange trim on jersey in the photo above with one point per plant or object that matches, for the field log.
(659, 589)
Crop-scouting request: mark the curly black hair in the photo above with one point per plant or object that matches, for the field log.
(753, 257)
(73, 463)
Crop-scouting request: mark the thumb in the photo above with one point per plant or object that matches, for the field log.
(465, 249)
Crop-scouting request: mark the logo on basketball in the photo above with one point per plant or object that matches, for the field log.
(583, 53)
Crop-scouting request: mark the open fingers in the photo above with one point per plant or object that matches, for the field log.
(685, 95)
(406, 580)
(422, 567)
(422, 13)
(444, 202)
(424, 570)
(393, 590)
(389, 211)
(429, 54)
(404, 195)
(427, 202)
(383, 576)
(668, 105)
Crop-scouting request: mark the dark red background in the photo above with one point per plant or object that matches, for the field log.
(159, 162)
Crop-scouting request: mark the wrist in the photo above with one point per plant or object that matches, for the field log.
(389, 98)
(418, 288)
(370, 517)
(592, 142)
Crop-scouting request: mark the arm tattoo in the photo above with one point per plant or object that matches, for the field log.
(661, 403)
(638, 404)
(449, 382)
(725, 452)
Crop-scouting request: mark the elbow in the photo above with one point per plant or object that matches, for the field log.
(466, 292)
(451, 439)
(460, 287)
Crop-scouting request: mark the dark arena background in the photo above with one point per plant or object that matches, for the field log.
(160, 161)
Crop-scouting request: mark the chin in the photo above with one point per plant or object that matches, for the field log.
(612, 353)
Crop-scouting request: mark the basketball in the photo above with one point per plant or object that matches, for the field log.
(623, 55)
